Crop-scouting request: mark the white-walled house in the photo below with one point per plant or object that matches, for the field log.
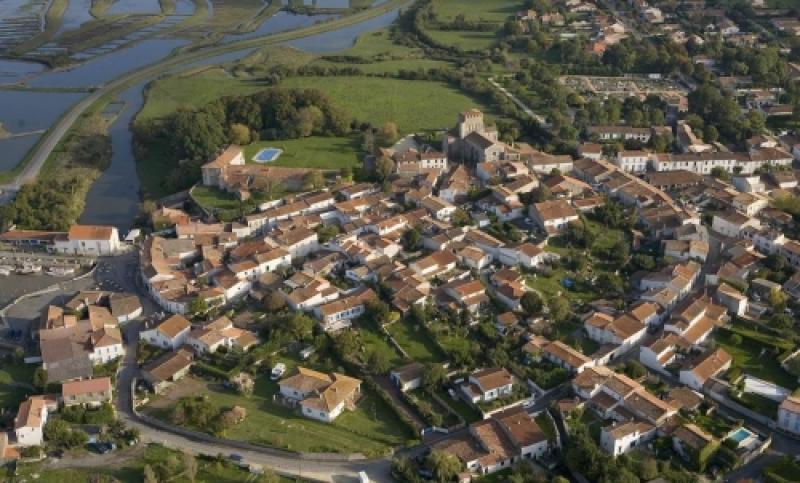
(91, 240)
(321, 396)
(732, 223)
(711, 364)
(488, 384)
(30, 421)
(169, 334)
(618, 439)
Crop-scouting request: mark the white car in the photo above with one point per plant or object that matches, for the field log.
(278, 371)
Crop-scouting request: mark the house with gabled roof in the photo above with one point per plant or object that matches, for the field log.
(170, 333)
(321, 396)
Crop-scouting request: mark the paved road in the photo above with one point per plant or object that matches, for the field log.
(55, 134)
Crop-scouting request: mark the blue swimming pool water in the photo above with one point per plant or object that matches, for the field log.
(267, 154)
(740, 435)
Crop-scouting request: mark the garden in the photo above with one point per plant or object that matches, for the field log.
(756, 353)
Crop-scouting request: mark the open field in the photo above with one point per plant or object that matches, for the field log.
(312, 152)
(415, 342)
(375, 52)
(490, 11)
(413, 105)
(464, 40)
(371, 429)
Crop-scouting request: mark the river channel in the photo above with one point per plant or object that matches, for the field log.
(114, 197)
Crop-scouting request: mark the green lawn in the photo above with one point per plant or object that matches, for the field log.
(312, 152)
(551, 287)
(467, 41)
(132, 470)
(415, 341)
(492, 11)
(376, 341)
(748, 356)
(371, 429)
(226, 205)
(10, 395)
(467, 412)
(413, 105)
(714, 424)
(759, 404)
(546, 424)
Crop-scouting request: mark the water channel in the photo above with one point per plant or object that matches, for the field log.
(114, 197)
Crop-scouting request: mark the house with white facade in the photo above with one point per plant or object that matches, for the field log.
(169, 334)
(487, 385)
(30, 421)
(90, 240)
(553, 216)
(321, 396)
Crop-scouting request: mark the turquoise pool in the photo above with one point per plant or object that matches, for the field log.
(267, 155)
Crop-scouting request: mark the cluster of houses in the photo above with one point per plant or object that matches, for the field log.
(73, 339)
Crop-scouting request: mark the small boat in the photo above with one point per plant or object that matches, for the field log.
(60, 271)
(5, 271)
(29, 268)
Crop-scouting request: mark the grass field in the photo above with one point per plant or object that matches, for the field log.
(371, 429)
(165, 96)
(132, 471)
(467, 41)
(490, 11)
(413, 105)
(748, 356)
(312, 152)
(415, 342)
(11, 395)
(381, 54)
(551, 287)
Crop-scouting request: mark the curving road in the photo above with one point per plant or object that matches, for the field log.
(43, 149)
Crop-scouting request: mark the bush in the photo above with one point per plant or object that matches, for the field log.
(81, 415)
(31, 452)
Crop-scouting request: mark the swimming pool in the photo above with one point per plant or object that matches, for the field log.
(743, 437)
(267, 155)
(740, 435)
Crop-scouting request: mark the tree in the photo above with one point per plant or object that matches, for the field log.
(239, 134)
(383, 168)
(720, 173)
(736, 339)
(379, 362)
(198, 307)
(388, 134)
(412, 240)
(346, 173)
(189, 467)
(793, 365)
(635, 369)
(559, 309)
(313, 180)
(710, 134)
(148, 475)
(777, 300)
(434, 376)
(531, 303)
(40, 378)
(274, 301)
(444, 466)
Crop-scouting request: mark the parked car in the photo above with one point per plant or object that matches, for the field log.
(278, 370)
(236, 457)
